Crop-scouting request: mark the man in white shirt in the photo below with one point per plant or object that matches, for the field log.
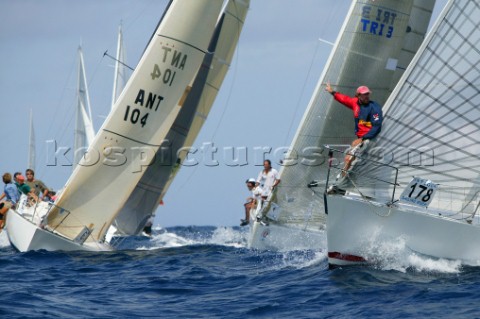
(252, 200)
(268, 179)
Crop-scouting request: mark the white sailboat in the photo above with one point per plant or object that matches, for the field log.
(145, 199)
(376, 43)
(139, 122)
(84, 131)
(430, 136)
(31, 144)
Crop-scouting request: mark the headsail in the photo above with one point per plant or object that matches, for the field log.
(374, 47)
(140, 120)
(145, 199)
(431, 128)
(84, 132)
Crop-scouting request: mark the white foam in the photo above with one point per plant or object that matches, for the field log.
(4, 239)
(167, 239)
(395, 255)
(306, 260)
(228, 236)
(224, 236)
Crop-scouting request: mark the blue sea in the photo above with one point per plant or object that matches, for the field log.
(207, 272)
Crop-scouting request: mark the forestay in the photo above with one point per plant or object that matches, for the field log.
(432, 120)
(145, 199)
(375, 45)
(140, 120)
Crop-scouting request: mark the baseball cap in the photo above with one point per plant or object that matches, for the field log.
(363, 90)
(251, 180)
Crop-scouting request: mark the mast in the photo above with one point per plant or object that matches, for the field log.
(84, 132)
(31, 144)
(120, 77)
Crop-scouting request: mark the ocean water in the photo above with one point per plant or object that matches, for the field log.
(207, 272)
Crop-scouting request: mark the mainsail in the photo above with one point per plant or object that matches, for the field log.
(375, 45)
(138, 123)
(432, 128)
(84, 132)
(150, 190)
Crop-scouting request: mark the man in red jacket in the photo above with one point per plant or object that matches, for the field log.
(368, 119)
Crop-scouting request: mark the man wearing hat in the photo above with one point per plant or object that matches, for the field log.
(22, 187)
(367, 115)
(251, 200)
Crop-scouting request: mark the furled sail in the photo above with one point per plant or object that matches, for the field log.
(145, 199)
(84, 132)
(431, 124)
(375, 45)
(138, 123)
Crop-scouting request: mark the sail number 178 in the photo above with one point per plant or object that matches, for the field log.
(419, 192)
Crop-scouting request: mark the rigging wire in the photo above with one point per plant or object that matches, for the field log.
(297, 107)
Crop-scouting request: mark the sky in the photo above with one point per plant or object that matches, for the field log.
(281, 53)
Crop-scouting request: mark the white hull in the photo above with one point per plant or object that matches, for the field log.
(278, 237)
(25, 236)
(355, 227)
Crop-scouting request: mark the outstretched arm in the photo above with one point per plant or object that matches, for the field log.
(329, 89)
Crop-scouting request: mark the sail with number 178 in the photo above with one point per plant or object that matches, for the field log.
(420, 183)
(376, 43)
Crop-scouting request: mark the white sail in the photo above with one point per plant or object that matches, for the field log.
(121, 75)
(375, 45)
(140, 120)
(431, 131)
(84, 131)
(31, 144)
(147, 195)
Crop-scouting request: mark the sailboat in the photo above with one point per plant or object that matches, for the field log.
(420, 184)
(139, 122)
(376, 43)
(84, 131)
(152, 187)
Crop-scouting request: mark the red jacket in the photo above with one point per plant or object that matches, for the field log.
(368, 118)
